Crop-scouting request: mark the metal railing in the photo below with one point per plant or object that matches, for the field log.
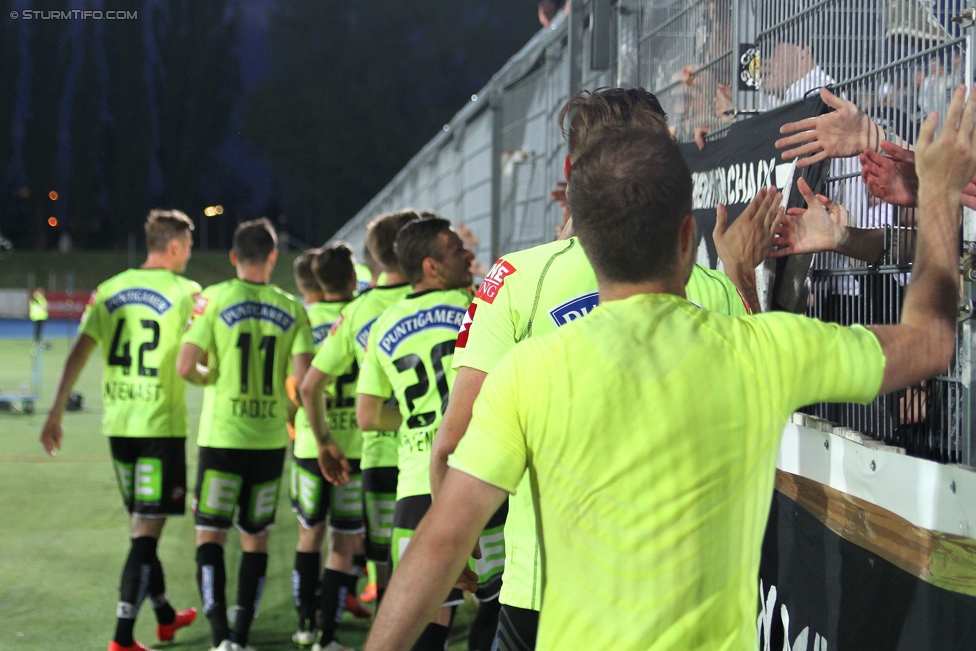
(712, 62)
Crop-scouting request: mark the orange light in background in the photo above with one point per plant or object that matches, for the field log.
(219, 210)
(52, 195)
(52, 221)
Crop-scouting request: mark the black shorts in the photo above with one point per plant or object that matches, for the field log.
(245, 480)
(379, 500)
(151, 474)
(406, 517)
(313, 497)
(517, 628)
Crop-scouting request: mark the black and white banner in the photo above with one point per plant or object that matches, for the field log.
(821, 592)
(732, 169)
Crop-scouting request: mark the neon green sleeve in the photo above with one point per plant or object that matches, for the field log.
(493, 449)
(372, 379)
(335, 355)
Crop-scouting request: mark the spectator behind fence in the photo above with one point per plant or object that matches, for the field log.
(138, 317)
(670, 523)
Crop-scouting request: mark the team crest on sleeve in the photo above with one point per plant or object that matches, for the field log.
(462, 339)
(494, 280)
(92, 297)
(199, 305)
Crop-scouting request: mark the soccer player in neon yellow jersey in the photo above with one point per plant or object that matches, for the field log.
(328, 277)
(663, 531)
(533, 292)
(408, 356)
(248, 330)
(341, 357)
(138, 317)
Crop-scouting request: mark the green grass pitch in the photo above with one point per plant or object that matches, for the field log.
(64, 536)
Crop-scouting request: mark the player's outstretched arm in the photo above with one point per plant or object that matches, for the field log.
(747, 242)
(922, 344)
(188, 364)
(845, 131)
(51, 434)
(332, 461)
(467, 386)
(433, 561)
(373, 415)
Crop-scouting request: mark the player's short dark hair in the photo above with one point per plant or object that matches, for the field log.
(254, 241)
(416, 242)
(629, 194)
(163, 225)
(382, 232)
(334, 267)
(588, 112)
(302, 269)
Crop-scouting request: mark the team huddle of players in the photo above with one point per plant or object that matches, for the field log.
(630, 525)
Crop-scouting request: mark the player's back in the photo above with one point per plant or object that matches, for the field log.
(412, 345)
(138, 317)
(250, 332)
(342, 359)
(322, 315)
(678, 494)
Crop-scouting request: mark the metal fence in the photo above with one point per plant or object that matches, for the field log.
(496, 161)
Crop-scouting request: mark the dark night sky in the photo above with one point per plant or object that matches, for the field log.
(291, 142)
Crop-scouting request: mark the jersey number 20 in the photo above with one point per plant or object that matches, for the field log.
(420, 389)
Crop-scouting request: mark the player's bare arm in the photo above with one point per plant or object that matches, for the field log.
(332, 461)
(51, 434)
(189, 364)
(746, 243)
(434, 559)
(467, 386)
(373, 415)
(922, 344)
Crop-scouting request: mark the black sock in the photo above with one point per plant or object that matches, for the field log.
(305, 583)
(333, 602)
(250, 584)
(157, 594)
(485, 624)
(352, 582)
(359, 565)
(434, 638)
(134, 587)
(212, 582)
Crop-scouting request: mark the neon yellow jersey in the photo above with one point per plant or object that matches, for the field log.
(409, 356)
(250, 331)
(138, 317)
(37, 307)
(321, 316)
(654, 459)
(531, 293)
(364, 277)
(342, 355)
